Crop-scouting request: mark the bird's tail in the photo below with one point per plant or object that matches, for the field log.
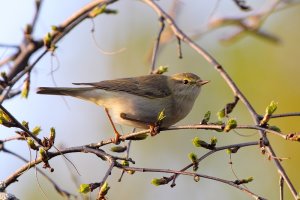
(62, 90)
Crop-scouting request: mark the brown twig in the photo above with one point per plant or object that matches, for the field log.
(156, 46)
(57, 188)
(19, 125)
(281, 184)
(84, 149)
(212, 152)
(231, 183)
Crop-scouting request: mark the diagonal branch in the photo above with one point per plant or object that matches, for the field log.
(180, 34)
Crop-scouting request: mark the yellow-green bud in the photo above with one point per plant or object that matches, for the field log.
(52, 134)
(104, 189)
(118, 149)
(193, 157)
(271, 108)
(31, 144)
(48, 40)
(221, 114)
(158, 181)
(97, 11)
(161, 69)
(275, 128)
(199, 143)
(231, 124)
(25, 89)
(25, 124)
(206, 117)
(161, 115)
(84, 188)
(130, 172)
(36, 130)
(213, 141)
(228, 151)
(139, 137)
(125, 163)
(250, 179)
(43, 154)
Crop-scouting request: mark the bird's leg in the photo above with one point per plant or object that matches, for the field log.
(117, 134)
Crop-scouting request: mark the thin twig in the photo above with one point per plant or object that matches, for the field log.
(19, 125)
(240, 145)
(108, 172)
(292, 114)
(57, 188)
(156, 46)
(281, 184)
(231, 183)
(85, 149)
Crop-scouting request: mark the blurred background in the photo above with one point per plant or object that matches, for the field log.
(263, 70)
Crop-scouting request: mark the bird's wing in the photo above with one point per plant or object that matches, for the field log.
(150, 86)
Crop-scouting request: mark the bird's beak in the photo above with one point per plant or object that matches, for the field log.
(202, 82)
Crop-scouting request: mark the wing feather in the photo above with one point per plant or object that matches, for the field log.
(147, 86)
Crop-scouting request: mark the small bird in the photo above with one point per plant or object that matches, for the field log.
(137, 101)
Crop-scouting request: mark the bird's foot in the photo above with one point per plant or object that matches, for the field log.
(154, 129)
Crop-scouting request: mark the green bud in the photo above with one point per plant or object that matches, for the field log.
(161, 69)
(199, 143)
(139, 137)
(213, 141)
(31, 144)
(158, 181)
(84, 188)
(125, 163)
(271, 108)
(161, 115)
(4, 116)
(43, 154)
(25, 124)
(193, 157)
(221, 114)
(54, 28)
(104, 189)
(250, 179)
(130, 172)
(275, 128)
(206, 117)
(25, 89)
(48, 40)
(231, 124)
(36, 130)
(52, 134)
(232, 150)
(97, 11)
(243, 181)
(118, 149)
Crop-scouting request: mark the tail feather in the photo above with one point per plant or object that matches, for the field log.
(60, 91)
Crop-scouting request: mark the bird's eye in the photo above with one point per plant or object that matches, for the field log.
(185, 81)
